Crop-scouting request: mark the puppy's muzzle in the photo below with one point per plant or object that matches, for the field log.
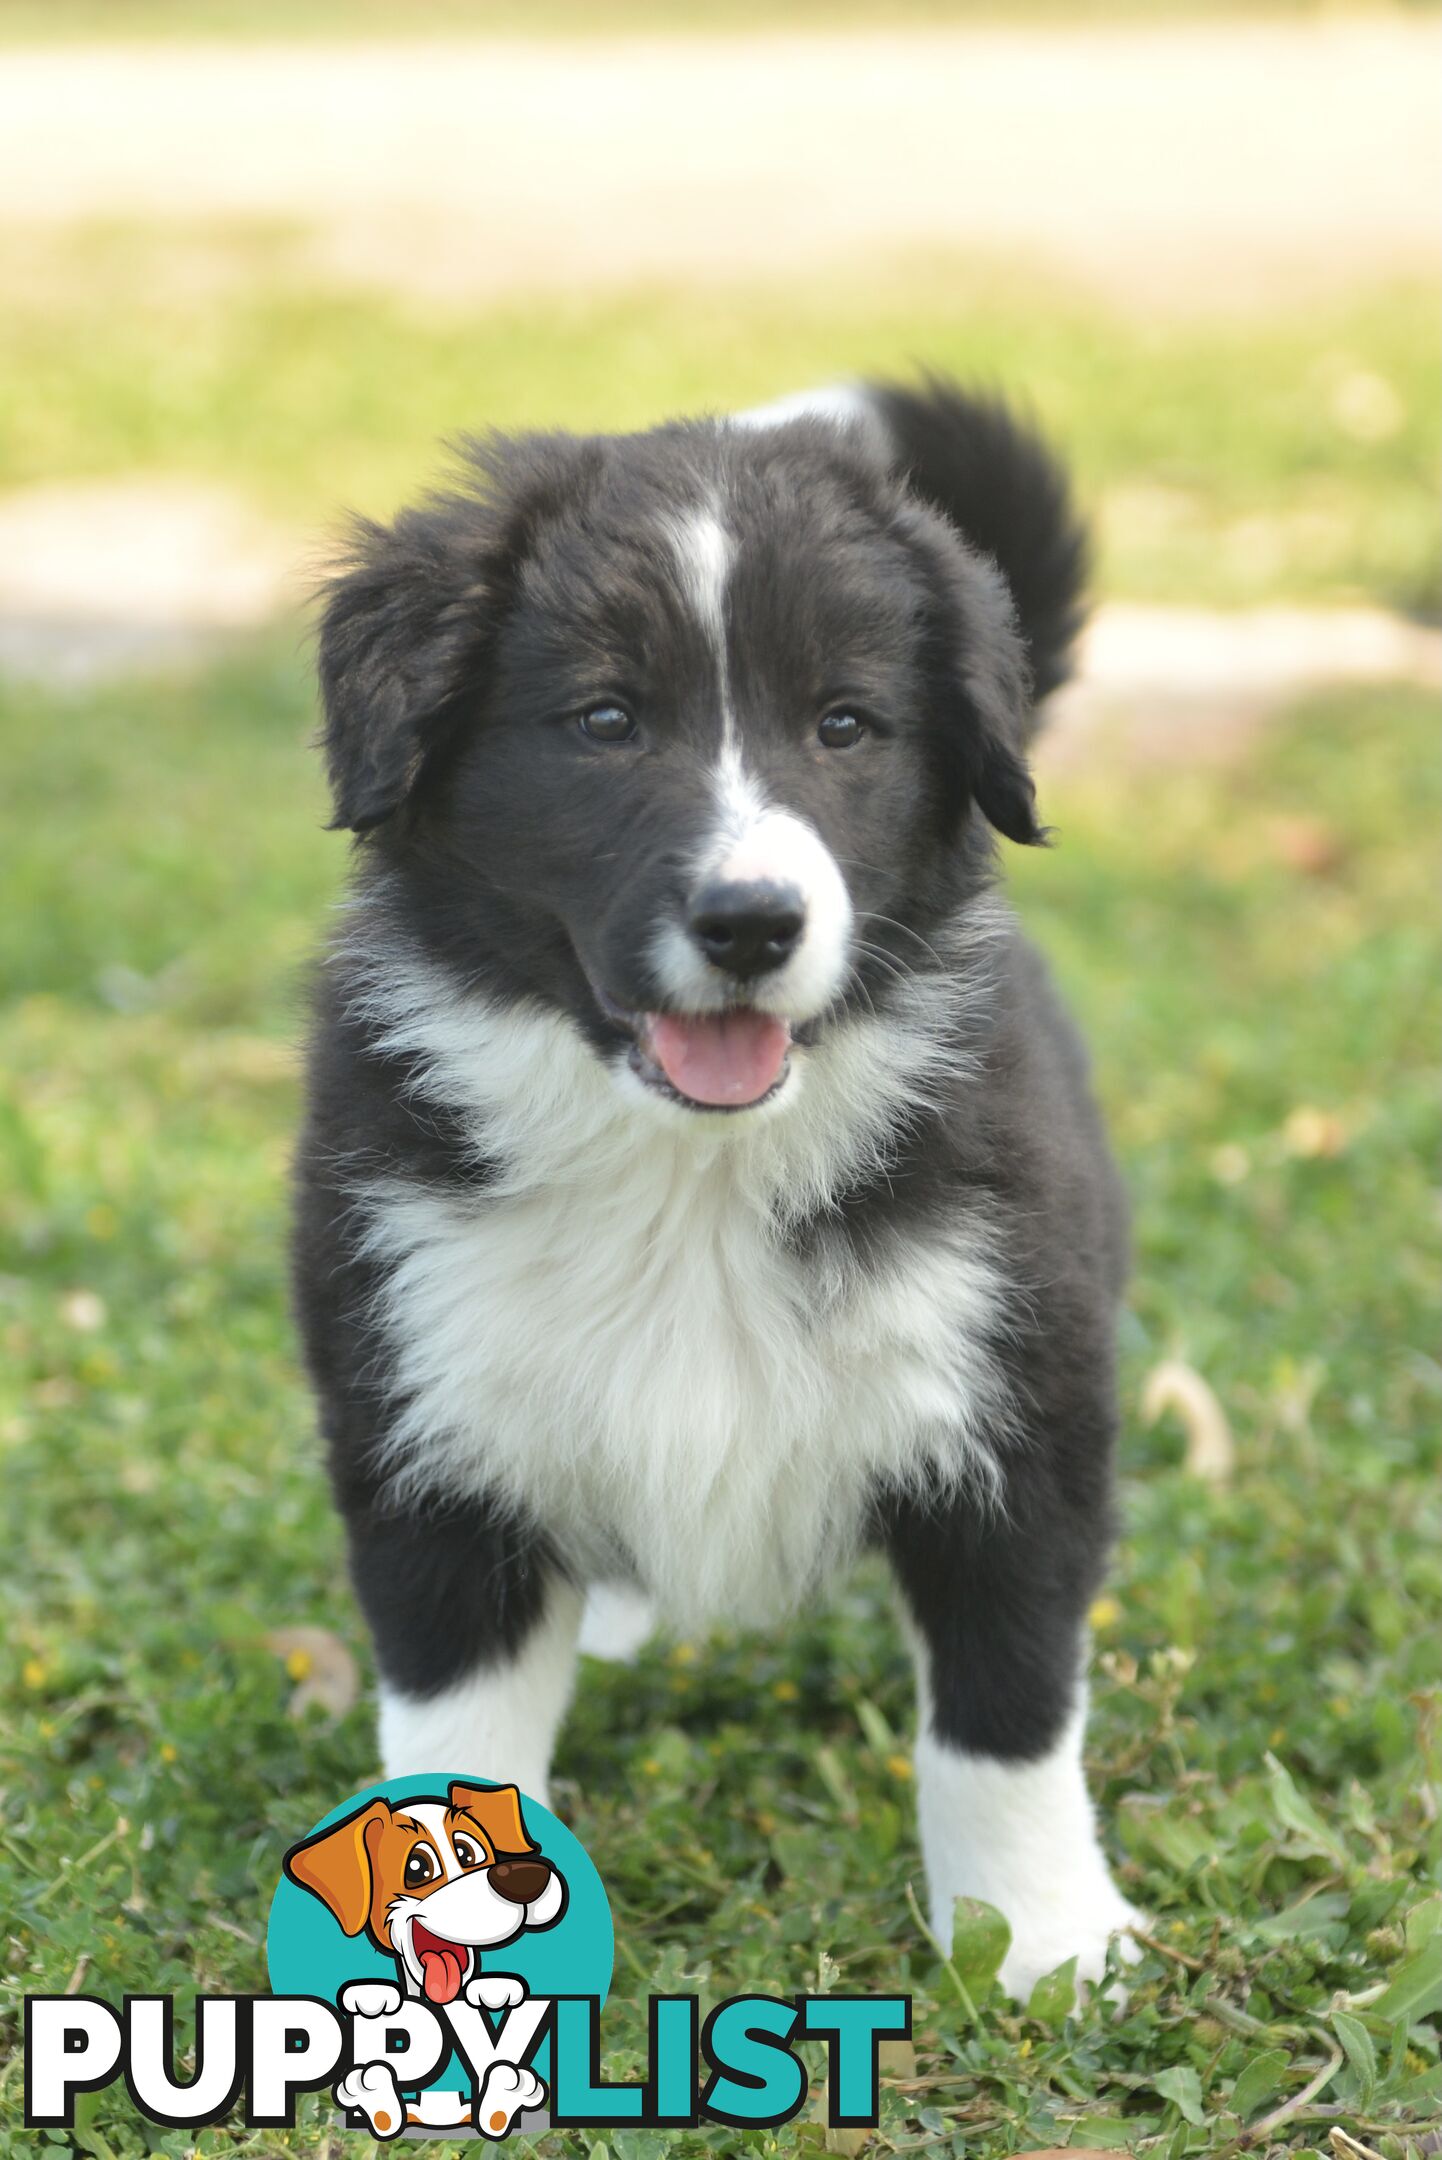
(520, 1881)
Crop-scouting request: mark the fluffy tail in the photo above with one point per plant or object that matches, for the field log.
(1000, 485)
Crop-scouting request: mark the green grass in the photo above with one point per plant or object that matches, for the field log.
(1268, 1723)
(1236, 460)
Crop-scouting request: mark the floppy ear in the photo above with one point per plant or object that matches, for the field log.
(407, 622)
(335, 1865)
(497, 1808)
(986, 691)
(1001, 783)
(996, 684)
(400, 627)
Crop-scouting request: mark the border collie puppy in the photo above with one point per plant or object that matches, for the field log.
(701, 1182)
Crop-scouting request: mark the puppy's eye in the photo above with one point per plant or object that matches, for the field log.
(607, 724)
(839, 731)
(420, 1867)
(465, 1851)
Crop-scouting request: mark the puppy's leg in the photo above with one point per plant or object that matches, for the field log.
(997, 1604)
(475, 1630)
(618, 1621)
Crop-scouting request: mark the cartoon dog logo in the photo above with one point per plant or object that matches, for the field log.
(433, 1883)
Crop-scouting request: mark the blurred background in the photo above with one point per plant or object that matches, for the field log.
(257, 258)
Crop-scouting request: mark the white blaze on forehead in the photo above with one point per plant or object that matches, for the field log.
(752, 842)
(431, 1815)
(703, 551)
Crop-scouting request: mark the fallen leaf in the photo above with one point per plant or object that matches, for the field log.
(1308, 845)
(1211, 1454)
(323, 1669)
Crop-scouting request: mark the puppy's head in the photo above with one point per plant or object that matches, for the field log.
(433, 1881)
(692, 735)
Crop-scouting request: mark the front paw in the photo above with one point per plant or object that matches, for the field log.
(495, 1991)
(370, 1998)
(371, 2090)
(508, 2090)
(1038, 1949)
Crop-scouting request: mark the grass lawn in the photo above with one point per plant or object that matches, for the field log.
(1280, 457)
(1268, 1726)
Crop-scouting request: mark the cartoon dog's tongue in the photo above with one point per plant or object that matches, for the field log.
(443, 1966)
(721, 1059)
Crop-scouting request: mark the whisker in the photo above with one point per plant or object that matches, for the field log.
(889, 922)
(896, 969)
(854, 981)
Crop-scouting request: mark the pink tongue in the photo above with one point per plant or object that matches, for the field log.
(720, 1058)
(442, 1970)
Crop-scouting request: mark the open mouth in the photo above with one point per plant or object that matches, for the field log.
(443, 1964)
(729, 1060)
(734, 1059)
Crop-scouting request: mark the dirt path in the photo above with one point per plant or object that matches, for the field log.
(1178, 165)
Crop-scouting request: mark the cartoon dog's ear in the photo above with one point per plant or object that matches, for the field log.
(497, 1808)
(335, 1865)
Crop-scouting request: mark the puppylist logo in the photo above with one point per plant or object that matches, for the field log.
(440, 1949)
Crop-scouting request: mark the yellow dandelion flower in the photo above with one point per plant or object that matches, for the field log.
(1312, 1132)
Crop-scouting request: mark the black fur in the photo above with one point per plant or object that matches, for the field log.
(938, 588)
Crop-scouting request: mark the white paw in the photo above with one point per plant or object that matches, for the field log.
(1038, 1949)
(370, 1998)
(508, 2090)
(549, 1905)
(372, 2088)
(495, 1991)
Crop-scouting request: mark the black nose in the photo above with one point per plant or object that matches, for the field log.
(747, 929)
(521, 1881)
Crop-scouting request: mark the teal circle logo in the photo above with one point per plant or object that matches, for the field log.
(447, 1893)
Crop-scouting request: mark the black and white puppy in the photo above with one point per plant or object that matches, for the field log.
(701, 1182)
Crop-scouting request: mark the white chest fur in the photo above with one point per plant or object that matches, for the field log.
(618, 1337)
